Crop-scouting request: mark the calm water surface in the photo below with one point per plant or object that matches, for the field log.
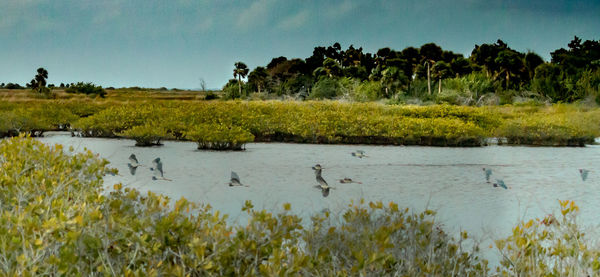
(449, 180)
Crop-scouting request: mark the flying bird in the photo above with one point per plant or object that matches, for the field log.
(158, 170)
(133, 164)
(359, 154)
(488, 173)
(584, 174)
(133, 161)
(132, 169)
(322, 183)
(500, 183)
(235, 180)
(347, 180)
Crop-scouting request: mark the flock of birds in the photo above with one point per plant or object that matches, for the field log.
(500, 183)
(157, 168)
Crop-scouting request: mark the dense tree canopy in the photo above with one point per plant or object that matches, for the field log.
(495, 69)
(412, 70)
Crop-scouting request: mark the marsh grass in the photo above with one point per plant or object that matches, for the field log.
(303, 122)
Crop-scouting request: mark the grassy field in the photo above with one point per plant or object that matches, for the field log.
(152, 116)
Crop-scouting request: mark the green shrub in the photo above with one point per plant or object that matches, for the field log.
(211, 96)
(326, 88)
(367, 91)
(231, 90)
(22, 120)
(552, 246)
(473, 85)
(554, 130)
(383, 240)
(147, 135)
(548, 81)
(219, 136)
(454, 97)
(86, 88)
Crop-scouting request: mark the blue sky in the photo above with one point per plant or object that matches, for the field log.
(174, 43)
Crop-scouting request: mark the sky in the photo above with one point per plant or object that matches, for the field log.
(176, 43)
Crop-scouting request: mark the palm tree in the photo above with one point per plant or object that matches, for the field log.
(38, 83)
(391, 79)
(240, 71)
(41, 77)
(430, 54)
(441, 70)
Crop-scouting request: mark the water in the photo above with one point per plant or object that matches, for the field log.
(449, 180)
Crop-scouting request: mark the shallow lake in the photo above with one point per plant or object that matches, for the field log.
(449, 180)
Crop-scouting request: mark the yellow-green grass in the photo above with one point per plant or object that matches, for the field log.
(295, 121)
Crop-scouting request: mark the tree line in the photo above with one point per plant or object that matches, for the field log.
(572, 73)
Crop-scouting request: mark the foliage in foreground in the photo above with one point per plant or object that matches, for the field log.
(57, 219)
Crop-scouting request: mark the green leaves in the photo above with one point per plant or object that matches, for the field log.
(549, 246)
(219, 136)
(147, 135)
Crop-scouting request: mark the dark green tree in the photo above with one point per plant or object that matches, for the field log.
(316, 60)
(531, 62)
(331, 68)
(460, 66)
(38, 83)
(485, 56)
(258, 78)
(430, 54)
(509, 63)
(240, 71)
(548, 82)
(382, 56)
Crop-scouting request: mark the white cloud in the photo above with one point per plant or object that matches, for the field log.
(255, 15)
(295, 21)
